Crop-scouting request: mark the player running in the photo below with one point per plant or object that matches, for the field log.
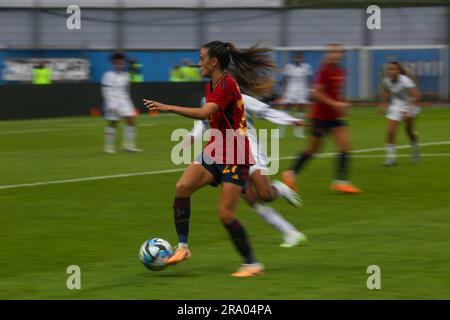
(295, 88)
(259, 189)
(118, 105)
(219, 163)
(403, 95)
(327, 116)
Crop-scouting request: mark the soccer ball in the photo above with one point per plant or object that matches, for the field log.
(154, 252)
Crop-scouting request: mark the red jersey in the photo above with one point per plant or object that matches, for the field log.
(332, 79)
(229, 119)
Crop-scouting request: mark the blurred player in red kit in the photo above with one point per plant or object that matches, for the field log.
(327, 116)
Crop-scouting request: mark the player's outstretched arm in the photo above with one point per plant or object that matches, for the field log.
(202, 113)
(281, 118)
(264, 111)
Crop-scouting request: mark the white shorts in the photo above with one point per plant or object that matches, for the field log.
(397, 112)
(296, 96)
(260, 157)
(120, 110)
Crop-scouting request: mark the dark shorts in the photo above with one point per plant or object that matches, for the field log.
(236, 174)
(321, 127)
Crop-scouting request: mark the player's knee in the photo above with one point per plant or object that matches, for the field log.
(265, 194)
(391, 133)
(182, 189)
(249, 198)
(310, 153)
(409, 129)
(226, 214)
(344, 149)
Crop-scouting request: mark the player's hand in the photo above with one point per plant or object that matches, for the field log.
(112, 110)
(342, 106)
(408, 113)
(155, 105)
(298, 123)
(411, 111)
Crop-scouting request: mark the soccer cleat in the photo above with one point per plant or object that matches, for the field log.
(345, 187)
(109, 149)
(288, 178)
(132, 149)
(180, 255)
(293, 239)
(291, 196)
(249, 270)
(389, 162)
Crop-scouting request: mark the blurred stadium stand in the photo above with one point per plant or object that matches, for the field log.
(144, 3)
(175, 28)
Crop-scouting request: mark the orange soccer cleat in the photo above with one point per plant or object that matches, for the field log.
(181, 254)
(345, 187)
(249, 270)
(288, 178)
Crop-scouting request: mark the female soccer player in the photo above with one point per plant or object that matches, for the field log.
(403, 95)
(118, 105)
(327, 116)
(259, 189)
(295, 88)
(218, 164)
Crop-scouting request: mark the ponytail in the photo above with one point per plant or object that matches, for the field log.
(252, 66)
(262, 88)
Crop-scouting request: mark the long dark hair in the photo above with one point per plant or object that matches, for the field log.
(398, 65)
(251, 65)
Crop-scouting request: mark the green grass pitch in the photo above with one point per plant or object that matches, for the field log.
(401, 222)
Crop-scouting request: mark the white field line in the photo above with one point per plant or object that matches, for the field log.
(34, 121)
(405, 146)
(402, 155)
(125, 175)
(65, 128)
(30, 131)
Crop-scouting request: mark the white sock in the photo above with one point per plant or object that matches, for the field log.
(129, 136)
(272, 217)
(298, 131)
(110, 136)
(390, 150)
(282, 130)
(182, 245)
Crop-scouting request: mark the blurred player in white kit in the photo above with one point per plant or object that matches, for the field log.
(403, 94)
(295, 88)
(118, 105)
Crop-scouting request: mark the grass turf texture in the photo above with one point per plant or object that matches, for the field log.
(401, 222)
